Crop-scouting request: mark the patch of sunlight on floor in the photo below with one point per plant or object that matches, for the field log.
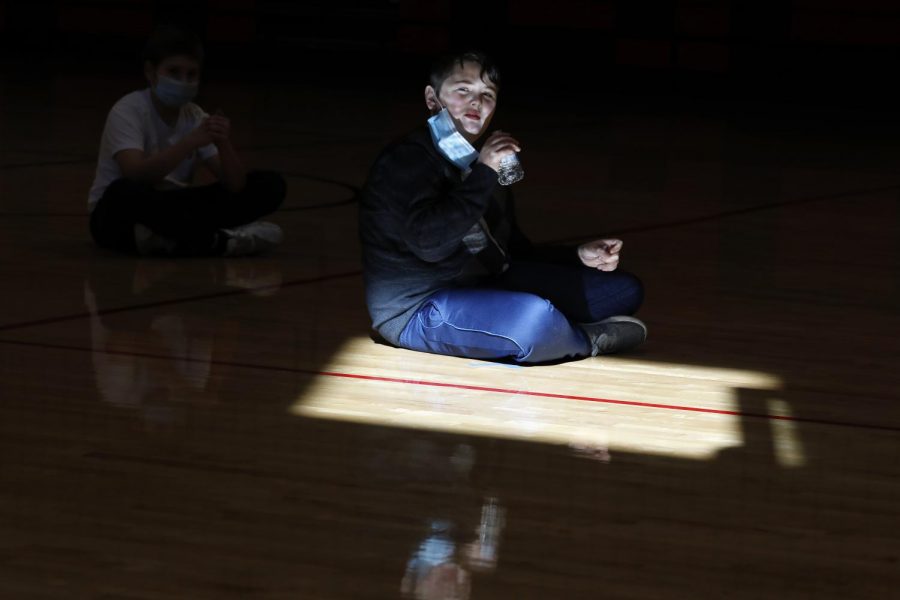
(640, 407)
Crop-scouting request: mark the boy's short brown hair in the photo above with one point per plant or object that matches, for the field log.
(172, 41)
(443, 67)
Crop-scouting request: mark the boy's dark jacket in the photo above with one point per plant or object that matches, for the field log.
(421, 228)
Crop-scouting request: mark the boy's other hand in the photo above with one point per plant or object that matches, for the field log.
(601, 254)
(219, 127)
(499, 145)
(200, 136)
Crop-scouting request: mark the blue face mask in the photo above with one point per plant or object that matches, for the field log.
(450, 141)
(174, 93)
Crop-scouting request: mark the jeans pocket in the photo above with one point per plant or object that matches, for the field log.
(431, 317)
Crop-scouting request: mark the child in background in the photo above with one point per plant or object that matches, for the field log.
(142, 200)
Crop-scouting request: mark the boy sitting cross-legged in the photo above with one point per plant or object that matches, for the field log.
(142, 199)
(447, 269)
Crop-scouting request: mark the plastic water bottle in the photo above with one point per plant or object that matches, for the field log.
(510, 170)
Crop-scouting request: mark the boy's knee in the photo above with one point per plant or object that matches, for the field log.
(267, 187)
(634, 292)
(615, 293)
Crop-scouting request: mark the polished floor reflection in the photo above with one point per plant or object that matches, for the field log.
(228, 429)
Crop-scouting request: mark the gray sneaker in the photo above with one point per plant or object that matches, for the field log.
(615, 334)
(253, 238)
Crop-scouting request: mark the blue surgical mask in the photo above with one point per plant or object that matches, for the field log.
(174, 93)
(450, 142)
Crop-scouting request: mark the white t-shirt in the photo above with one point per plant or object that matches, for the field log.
(133, 123)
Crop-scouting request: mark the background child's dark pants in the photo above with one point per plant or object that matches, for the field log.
(190, 217)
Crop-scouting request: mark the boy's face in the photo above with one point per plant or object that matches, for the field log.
(469, 99)
(183, 68)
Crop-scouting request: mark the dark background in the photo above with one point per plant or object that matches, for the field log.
(833, 53)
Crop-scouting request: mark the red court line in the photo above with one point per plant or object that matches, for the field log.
(478, 388)
(182, 300)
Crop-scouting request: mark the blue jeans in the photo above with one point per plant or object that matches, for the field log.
(529, 314)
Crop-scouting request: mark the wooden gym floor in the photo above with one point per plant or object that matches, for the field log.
(225, 429)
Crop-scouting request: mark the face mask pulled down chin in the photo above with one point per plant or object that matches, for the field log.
(174, 93)
(450, 142)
